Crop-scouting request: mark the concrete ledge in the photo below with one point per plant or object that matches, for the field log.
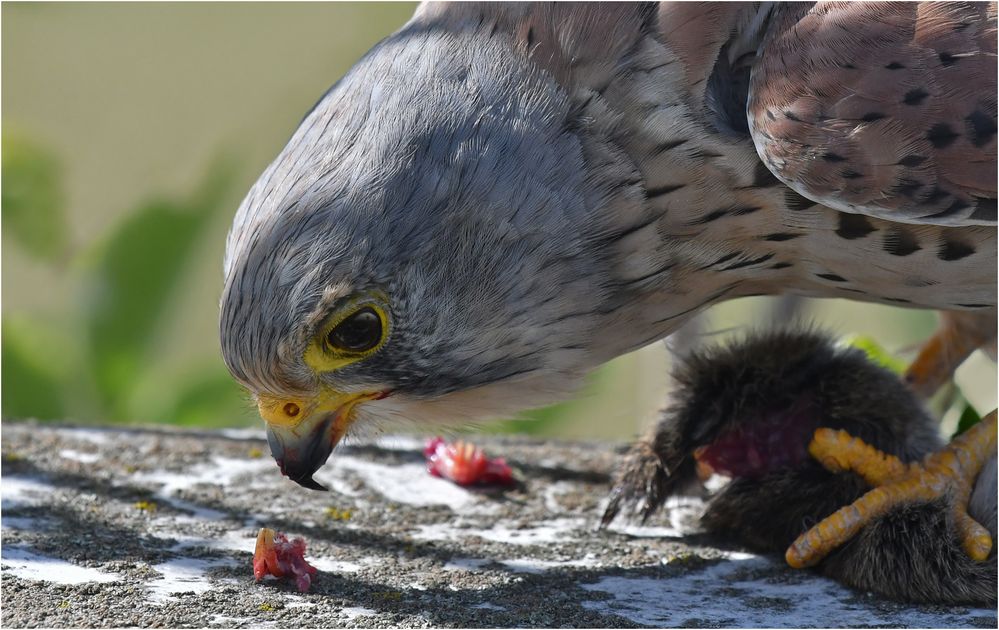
(107, 527)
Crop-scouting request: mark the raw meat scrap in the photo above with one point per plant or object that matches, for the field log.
(465, 464)
(277, 556)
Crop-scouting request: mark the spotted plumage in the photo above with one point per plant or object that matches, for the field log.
(918, 132)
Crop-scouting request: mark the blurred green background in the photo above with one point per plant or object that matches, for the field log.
(130, 134)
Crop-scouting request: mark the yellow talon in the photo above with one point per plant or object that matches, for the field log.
(951, 471)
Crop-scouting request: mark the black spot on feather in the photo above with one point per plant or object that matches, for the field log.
(725, 258)
(797, 202)
(763, 178)
(780, 236)
(853, 226)
(981, 128)
(900, 242)
(912, 160)
(941, 136)
(831, 276)
(667, 146)
(915, 97)
(954, 250)
(711, 216)
(705, 154)
(659, 191)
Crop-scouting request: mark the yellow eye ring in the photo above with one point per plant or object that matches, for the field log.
(356, 331)
(359, 332)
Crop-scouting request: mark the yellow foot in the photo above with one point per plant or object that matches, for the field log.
(950, 472)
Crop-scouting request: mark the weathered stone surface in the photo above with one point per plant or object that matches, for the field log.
(157, 528)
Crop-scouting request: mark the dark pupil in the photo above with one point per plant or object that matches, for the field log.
(360, 331)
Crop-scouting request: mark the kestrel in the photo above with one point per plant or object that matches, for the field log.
(500, 197)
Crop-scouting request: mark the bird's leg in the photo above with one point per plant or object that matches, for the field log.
(950, 472)
(960, 334)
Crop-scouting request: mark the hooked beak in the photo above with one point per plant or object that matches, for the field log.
(302, 434)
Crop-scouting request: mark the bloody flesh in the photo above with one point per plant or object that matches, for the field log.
(778, 440)
(276, 555)
(465, 464)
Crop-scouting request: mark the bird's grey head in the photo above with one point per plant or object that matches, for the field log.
(413, 253)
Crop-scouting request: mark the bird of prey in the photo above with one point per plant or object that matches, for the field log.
(749, 409)
(500, 197)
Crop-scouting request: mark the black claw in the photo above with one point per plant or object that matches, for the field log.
(613, 507)
(640, 485)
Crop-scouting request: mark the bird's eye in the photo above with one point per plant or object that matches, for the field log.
(360, 332)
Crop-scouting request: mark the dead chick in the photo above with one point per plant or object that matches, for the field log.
(750, 411)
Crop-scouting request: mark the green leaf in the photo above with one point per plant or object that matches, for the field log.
(130, 284)
(969, 418)
(31, 204)
(876, 353)
(28, 387)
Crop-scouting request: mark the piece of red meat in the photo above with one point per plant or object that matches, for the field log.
(466, 464)
(283, 558)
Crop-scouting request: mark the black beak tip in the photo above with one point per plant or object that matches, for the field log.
(305, 479)
(311, 484)
(301, 461)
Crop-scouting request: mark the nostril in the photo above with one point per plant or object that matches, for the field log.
(291, 409)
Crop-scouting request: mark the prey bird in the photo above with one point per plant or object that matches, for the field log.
(500, 197)
(749, 410)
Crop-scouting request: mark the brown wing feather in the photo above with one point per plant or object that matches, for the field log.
(886, 109)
